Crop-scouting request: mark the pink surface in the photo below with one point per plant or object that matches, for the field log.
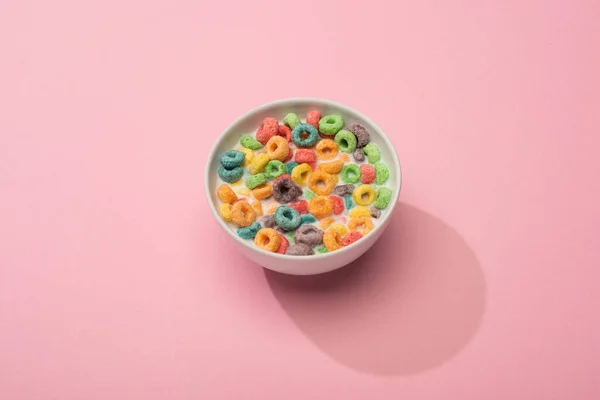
(116, 284)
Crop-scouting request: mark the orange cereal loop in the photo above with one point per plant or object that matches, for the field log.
(363, 195)
(272, 210)
(360, 212)
(258, 163)
(242, 214)
(257, 206)
(300, 174)
(248, 155)
(225, 212)
(333, 237)
(226, 194)
(345, 157)
(363, 225)
(267, 239)
(277, 148)
(326, 149)
(321, 183)
(244, 191)
(263, 191)
(320, 206)
(325, 223)
(332, 167)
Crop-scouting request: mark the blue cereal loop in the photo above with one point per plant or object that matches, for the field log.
(307, 219)
(232, 158)
(287, 218)
(290, 166)
(349, 202)
(230, 175)
(250, 231)
(313, 135)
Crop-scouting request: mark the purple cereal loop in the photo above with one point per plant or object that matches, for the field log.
(309, 235)
(299, 249)
(375, 213)
(286, 191)
(358, 155)
(343, 190)
(362, 136)
(268, 221)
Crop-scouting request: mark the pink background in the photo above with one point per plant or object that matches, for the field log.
(115, 282)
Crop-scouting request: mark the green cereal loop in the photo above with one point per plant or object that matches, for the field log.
(351, 173)
(345, 140)
(287, 218)
(256, 180)
(384, 195)
(307, 219)
(274, 168)
(322, 250)
(382, 173)
(290, 237)
(250, 231)
(291, 120)
(309, 195)
(290, 166)
(331, 124)
(348, 202)
(372, 152)
(250, 143)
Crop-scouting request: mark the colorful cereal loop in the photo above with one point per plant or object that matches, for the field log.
(364, 195)
(267, 239)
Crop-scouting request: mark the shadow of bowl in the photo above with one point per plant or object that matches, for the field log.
(409, 304)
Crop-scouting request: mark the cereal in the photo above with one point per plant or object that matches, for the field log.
(259, 162)
(268, 221)
(290, 166)
(309, 235)
(236, 183)
(320, 206)
(225, 212)
(351, 238)
(337, 205)
(304, 135)
(287, 218)
(384, 196)
(382, 173)
(242, 214)
(300, 206)
(305, 156)
(250, 143)
(322, 250)
(272, 210)
(299, 249)
(267, 239)
(309, 195)
(291, 120)
(346, 141)
(230, 175)
(226, 194)
(351, 173)
(244, 191)
(363, 195)
(358, 155)
(313, 118)
(277, 148)
(372, 152)
(281, 177)
(321, 183)
(300, 174)
(331, 124)
(248, 155)
(285, 132)
(343, 190)
(283, 246)
(326, 149)
(285, 191)
(290, 156)
(360, 212)
(332, 167)
(332, 239)
(256, 180)
(249, 232)
(263, 191)
(275, 168)
(348, 202)
(362, 136)
(268, 129)
(345, 157)
(307, 219)
(363, 225)
(375, 213)
(231, 159)
(367, 173)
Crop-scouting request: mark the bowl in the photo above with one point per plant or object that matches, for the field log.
(318, 263)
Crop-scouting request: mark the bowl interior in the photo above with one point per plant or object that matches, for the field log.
(249, 123)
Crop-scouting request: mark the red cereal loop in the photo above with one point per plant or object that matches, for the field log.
(367, 173)
(268, 129)
(307, 156)
(313, 118)
(351, 238)
(338, 205)
(290, 155)
(285, 132)
(281, 176)
(283, 246)
(324, 136)
(300, 206)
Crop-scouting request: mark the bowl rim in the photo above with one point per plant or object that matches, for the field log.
(287, 101)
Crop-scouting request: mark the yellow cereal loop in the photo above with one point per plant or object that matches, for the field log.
(248, 155)
(360, 212)
(341, 229)
(300, 174)
(363, 225)
(332, 167)
(244, 191)
(258, 163)
(225, 212)
(257, 205)
(226, 194)
(364, 195)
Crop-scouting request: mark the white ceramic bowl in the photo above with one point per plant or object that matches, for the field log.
(318, 263)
